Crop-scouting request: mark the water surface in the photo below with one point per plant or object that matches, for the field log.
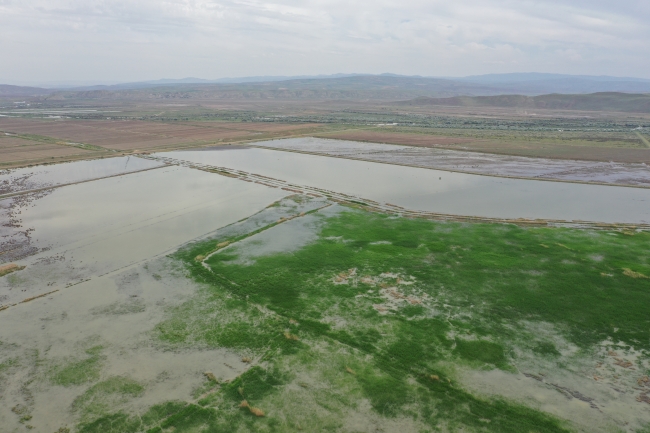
(42, 176)
(92, 228)
(473, 162)
(437, 190)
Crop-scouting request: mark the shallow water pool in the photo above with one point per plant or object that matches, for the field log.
(436, 190)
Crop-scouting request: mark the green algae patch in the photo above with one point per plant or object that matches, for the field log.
(6, 365)
(78, 372)
(104, 396)
(546, 348)
(481, 351)
(121, 308)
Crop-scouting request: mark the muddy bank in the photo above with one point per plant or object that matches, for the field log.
(474, 162)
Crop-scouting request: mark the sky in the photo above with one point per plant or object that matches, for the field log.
(110, 41)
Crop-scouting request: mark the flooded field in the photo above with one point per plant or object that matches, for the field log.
(94, 228)
(473, 162)
(435, 190)
(46, 176)
(190, 292)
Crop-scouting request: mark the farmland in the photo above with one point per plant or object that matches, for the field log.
(32, 141)
(80, 126)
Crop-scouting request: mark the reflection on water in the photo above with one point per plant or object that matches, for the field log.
(439, 191)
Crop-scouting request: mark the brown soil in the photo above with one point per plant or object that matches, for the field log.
(119, 135)
(17, 149)
(122, 136)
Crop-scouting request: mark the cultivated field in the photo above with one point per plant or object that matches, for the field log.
(36, 140)
(15, 149)
(172, 118)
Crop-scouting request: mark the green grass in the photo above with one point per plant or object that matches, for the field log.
(504, 268)
(466, 296)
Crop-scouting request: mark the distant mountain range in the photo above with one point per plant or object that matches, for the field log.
(9, 91)
(386, 87)
(521, 83)
(539, 84)
(192, 80)
(536, 76)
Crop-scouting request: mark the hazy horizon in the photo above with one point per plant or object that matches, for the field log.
(114, 41)
(533, 76)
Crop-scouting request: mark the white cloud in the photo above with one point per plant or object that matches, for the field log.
(132, 40)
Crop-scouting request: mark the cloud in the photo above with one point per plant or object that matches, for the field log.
(127, 40)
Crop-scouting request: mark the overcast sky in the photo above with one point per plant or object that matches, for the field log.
(130, 40)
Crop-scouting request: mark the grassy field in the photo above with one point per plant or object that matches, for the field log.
(377, 320)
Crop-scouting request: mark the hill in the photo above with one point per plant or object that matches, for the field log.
(385, 87)
(361, 87)
(9, 91)
(369, 87)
